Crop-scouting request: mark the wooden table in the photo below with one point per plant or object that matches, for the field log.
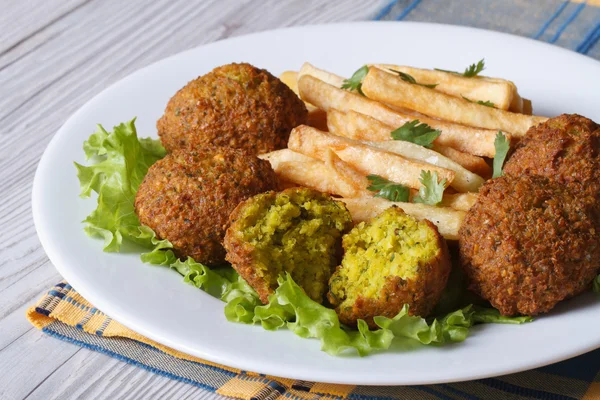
(55, 55)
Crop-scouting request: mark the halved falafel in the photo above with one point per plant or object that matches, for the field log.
(388, 262)
(297, 231)
(529, 243)
(187, 197)
(235, 105)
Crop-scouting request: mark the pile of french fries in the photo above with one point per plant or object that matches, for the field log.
(348, 137)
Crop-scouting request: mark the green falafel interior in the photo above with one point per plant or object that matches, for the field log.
(388, 246)
(297, 231)
(119, 162)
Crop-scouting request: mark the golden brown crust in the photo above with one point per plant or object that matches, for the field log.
(235, 105)
(565, 149)
(421, 294)
(529, 243)
(187, 197)
(239, 253)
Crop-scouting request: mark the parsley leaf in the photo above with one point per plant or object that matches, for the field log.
(483, 103)
(415, 132)
(408, 78)
(387, 189)
(502, 145)
(474, 69)
(432, 191)
(355, 82)
(471, 71)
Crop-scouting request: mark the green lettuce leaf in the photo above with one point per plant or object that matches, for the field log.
(290, 307)
(241, 299)
(596, 284)
(122, 163)
(161, 253)
(488, 315)
(454, 327)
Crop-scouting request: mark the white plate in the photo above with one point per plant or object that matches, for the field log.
(156, 303)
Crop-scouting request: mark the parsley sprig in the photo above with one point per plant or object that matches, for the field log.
(408, 78)
(387, 189)
(483, 103)
(474, 69)
(431, 191)
(416, 132)
(355, 82)
(471, 71)
(502, 145)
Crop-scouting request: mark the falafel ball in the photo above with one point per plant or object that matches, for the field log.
(297, 231)
(388, 262)
(235, 105)
(187, 197)
(565, 149)
(528, 243)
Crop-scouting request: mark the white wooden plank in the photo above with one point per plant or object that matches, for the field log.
(94, 375)
(29, 361)
(13, 326)
(28, 289)
(20, 22)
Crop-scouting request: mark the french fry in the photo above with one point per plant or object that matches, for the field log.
(316, 116)
(527, 107)
(346, 173)
(384, 87)
(278, 158)
(284, 155)
(446, 219)
(365, 159)
(467, 139)
(500, 92)
(475, 164)
(315, 175)
(327, 77)
(503, 93)
(358, 126)
(290, 78)
(332, 176)
(516, 105)
(464, 180)
(459, 201)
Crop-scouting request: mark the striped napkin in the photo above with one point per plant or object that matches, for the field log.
(64, 314)
(571, 24)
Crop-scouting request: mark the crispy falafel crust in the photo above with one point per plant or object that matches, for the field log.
(420, 292)
(187, 197)
(256, 266)
(565, 148)
(235, 105)
(528, 243)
